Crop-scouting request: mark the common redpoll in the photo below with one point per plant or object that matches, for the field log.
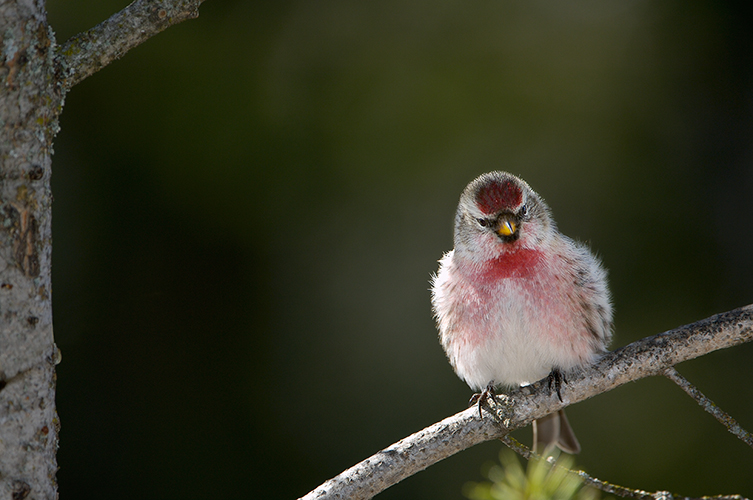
(516, 300)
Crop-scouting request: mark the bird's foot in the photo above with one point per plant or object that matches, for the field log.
(481, 397)
(556, 379)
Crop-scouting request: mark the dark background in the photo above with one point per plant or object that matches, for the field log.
(249, 206)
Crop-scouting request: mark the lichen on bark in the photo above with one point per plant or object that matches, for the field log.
(30, 101)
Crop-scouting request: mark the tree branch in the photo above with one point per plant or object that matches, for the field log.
(646, 357)
(88, 52)
(708, 405)
(604, 486)
(613, 489)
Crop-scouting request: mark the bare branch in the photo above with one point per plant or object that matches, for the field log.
(708, 405)
(88, 52)
(646, 357)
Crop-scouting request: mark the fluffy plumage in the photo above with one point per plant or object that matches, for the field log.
(516, 299)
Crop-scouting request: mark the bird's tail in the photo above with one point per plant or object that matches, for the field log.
(554, 429)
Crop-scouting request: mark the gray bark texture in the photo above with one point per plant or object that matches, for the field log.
(29, 106)
(35, 74)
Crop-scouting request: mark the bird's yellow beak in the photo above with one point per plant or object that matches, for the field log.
(507, 228)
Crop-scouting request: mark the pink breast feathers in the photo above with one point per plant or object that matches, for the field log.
(518, 263)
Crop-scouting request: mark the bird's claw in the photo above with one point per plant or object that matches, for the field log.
(481, 397)
(556, 378)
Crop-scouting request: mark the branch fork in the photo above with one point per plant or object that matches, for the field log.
(88, 52)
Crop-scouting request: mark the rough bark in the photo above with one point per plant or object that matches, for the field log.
(30, 102)
(35, 74)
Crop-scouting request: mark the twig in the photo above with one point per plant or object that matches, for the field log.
(525, 452)
(88, 52)
(646, 357)
(708, 405)
(604, 486)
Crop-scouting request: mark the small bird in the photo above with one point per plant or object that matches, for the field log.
(516, 300)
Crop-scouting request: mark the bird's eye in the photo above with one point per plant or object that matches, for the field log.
(523, 211)
(483, 222)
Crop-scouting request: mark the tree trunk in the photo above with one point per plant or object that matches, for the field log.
(30, 102)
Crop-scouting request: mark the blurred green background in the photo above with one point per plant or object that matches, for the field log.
(248, 209)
